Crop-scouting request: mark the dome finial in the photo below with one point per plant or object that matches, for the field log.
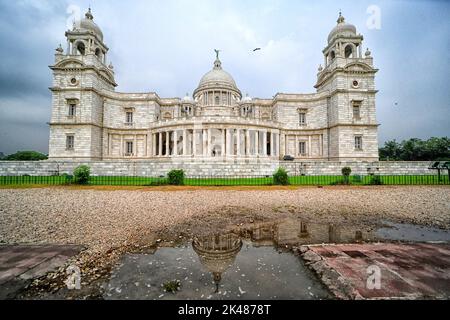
(217, 63)
(341, 19)
(89, 14)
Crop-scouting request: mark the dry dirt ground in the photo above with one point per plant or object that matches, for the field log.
(110, 221)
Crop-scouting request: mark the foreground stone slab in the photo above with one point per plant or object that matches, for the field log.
(383, 270)
(19, 264)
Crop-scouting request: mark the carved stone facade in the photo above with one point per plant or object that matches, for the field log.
(92, 122)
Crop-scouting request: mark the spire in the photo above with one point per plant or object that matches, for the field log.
(89, 14)
(341, 19)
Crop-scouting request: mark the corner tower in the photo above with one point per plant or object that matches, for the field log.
(349, 78)
(80, 76)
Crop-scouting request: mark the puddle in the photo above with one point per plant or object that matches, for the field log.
(250, 262)
(413, 233)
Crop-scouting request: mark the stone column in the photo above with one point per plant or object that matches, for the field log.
(256, 142)
(247, 142)
(175, 144)
(272, 139)
(228, 142)
(194, 142)
(153, 151)
(223, 142)
(160, 144)
(167, 143)
(264, 141)
(209, 142)
(204, 139)
(135, 146)
(184, 142)
(297, 147)
(238, 142)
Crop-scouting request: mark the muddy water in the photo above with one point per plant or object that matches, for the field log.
(250, 262)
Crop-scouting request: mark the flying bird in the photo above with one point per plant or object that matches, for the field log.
(256, 49)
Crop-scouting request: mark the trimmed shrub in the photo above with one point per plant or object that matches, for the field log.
(346, 171)
(81, 175)
(376, 181)
(176, 177)
(280, 177)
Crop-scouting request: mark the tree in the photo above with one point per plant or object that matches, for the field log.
(417, 150)
(26, 156)
(391, 151)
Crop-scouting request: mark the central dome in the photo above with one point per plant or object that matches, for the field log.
(217, 78)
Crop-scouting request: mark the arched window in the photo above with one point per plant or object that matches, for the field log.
(81, 49)
(217, 100)
(98, 53)
(349, 51)
(332, 55)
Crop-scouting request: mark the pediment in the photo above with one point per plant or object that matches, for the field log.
(358, 67)
(105, 73)
(70, 63)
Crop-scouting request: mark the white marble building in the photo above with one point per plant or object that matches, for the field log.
(92, 122)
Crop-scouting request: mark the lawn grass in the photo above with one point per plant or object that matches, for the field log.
(225, 181)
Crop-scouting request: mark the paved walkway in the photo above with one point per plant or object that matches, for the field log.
(408, 271)
(19, 264)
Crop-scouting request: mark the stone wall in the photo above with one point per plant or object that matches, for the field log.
(155, 168)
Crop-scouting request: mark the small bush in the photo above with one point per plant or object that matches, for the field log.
(376, 180)
(176, 177)
(280, 177)
(346, 171)
(81, 175)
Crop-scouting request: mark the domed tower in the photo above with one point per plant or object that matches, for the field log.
(217, 253)
(349, 78)
(80, 75)
(217, 92)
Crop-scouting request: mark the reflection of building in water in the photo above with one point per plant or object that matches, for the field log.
(293, 232)
(217, 253)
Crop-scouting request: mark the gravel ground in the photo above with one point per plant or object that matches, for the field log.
(101, 219)
(111, 222)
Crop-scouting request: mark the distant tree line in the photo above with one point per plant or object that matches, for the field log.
(25, 156)
(433, 149)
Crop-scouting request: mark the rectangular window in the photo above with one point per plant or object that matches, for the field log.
(70, 142)
(129, 118)
(302, 148)
(356, 111)
(72, 110)
(302, 118)
(129, 148)
(358, 143)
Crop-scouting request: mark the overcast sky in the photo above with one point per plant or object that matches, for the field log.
(166, 46)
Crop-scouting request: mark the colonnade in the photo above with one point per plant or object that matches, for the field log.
(214, 142)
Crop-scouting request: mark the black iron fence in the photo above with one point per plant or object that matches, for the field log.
(232, 180)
